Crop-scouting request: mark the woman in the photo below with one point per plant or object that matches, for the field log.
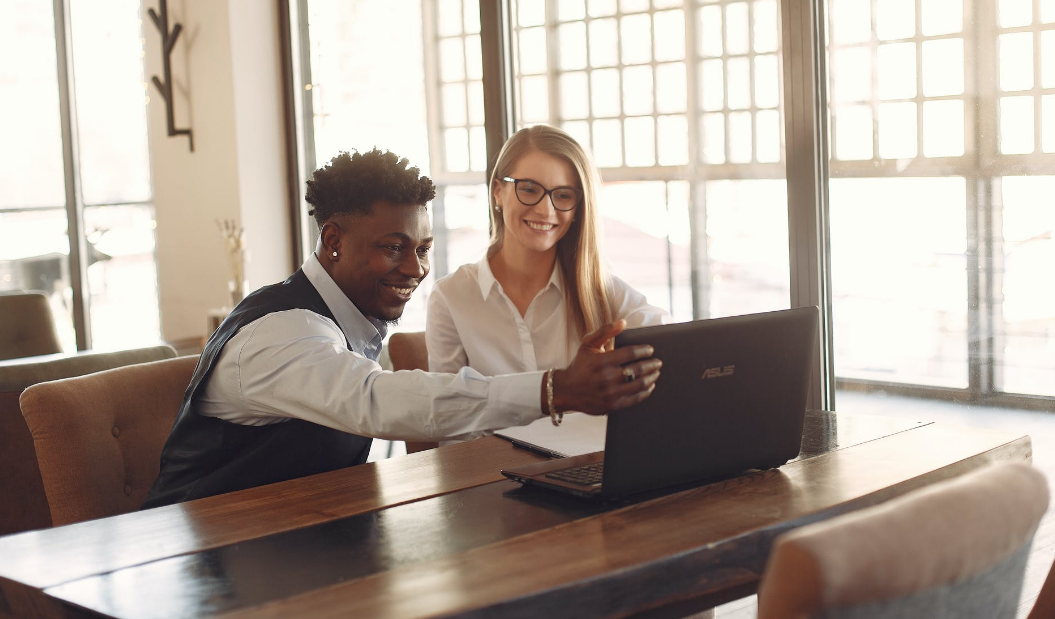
(541, 286)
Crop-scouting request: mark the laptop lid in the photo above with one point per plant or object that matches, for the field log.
(731, 396)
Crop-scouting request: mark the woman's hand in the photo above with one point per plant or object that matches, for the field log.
(598, 381)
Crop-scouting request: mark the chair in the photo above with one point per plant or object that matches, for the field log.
(27, 327)
(408, 352)
(98, 437)
(25, 506)
(1044, 607)
(953, 549)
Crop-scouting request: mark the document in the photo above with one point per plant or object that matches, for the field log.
(579, 434)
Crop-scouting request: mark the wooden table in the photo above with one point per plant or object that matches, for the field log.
(441, 533)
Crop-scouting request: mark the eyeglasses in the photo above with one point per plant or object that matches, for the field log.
(531, 193)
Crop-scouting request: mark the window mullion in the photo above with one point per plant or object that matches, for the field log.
(71, 171)
(805, 99)
(497, 59)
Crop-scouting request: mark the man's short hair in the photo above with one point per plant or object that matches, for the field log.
(353, 183)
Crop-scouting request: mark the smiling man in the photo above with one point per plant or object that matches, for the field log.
(289, 384)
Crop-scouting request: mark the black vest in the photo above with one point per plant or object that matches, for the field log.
(205, 455)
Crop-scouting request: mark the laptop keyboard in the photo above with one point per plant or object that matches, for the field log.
(588, 475)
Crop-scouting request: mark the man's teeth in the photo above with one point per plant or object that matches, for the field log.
(535, 226)
(402, 290)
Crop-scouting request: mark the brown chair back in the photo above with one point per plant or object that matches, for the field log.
(98, 437)
(27, 327)
(25, 506)
(408, 352)
(945, 547)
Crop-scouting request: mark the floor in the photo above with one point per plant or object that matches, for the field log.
(1040, 425)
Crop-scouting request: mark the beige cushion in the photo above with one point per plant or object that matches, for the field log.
(25, 506)
(408, 352)
(940, 534)
(98, 437)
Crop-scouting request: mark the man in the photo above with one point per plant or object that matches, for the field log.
(289, 384)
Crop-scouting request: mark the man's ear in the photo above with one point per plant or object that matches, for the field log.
(330, 238)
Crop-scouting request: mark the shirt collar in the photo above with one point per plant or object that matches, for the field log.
(364, 333)
(487, 280)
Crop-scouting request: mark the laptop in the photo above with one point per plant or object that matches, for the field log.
(731, 397)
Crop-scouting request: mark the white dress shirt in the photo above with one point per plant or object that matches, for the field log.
(471, 322)
(296, 364)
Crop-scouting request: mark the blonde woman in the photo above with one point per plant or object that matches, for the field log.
(541, 287)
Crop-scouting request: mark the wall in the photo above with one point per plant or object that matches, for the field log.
(227, 90)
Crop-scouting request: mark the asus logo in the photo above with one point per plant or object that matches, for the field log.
(720, 372)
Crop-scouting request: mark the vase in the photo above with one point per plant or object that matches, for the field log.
(238, 289)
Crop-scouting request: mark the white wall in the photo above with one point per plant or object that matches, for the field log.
(227, 90)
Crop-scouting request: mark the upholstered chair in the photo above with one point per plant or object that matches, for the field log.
(98, 437)
(27, 327)
(408, 352)
(955, 549)
(25, 506)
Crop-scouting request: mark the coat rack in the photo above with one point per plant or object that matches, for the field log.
(168, 41)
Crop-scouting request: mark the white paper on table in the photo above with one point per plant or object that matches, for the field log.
(579, 434)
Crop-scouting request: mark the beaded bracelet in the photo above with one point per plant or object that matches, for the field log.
(554, 416)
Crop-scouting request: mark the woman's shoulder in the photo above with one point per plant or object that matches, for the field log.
(464, 278)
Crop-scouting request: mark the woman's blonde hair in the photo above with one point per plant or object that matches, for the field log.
(579, 251)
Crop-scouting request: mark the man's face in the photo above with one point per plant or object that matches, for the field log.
(383, 257)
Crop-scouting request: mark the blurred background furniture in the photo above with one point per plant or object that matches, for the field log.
(27, 327)
(408, 352)
(954, 549)
(98, 437)
(23, 505)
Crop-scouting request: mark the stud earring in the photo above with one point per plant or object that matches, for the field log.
(498, 208)
(334, 254)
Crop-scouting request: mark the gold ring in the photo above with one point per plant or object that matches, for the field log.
(628, 375)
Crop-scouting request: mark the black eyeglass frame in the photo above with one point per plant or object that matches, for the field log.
(545, 192)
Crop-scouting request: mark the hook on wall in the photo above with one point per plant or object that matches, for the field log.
(168, 41)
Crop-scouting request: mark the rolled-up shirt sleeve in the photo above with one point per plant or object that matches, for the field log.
(295, 364)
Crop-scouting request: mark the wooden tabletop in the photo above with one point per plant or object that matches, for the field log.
(441, 533)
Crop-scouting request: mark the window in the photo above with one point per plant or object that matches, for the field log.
(941, 143)
(679, 102)
(939, 232)
(87, 194)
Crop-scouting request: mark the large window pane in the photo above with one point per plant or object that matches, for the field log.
(31, 144)
(122, 276)
(357, 104)
(111, 101)
(1026, 331)
(899, 291)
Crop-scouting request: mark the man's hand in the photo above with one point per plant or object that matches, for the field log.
(597, 382)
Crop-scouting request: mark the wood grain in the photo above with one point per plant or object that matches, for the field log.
(662, 551)
(690, 548)
(46, 558)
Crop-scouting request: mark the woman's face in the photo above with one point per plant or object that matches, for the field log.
(536, 228)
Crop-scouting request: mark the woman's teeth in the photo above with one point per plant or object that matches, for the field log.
(542, 227)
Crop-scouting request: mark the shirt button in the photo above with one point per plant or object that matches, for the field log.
(128, 490)
(115, 431)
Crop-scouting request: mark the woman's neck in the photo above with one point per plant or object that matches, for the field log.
(521, 273)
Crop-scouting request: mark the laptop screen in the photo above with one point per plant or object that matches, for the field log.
(731, 397)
